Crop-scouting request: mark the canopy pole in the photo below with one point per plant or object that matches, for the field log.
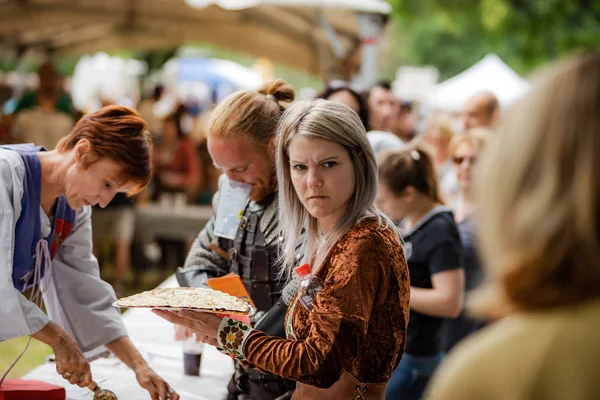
(332, 52)
(19, 88)
(331, 35)
(369, 30)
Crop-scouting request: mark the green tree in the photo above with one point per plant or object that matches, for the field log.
(453, 34)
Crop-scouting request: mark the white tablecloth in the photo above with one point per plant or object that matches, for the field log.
(154, 338)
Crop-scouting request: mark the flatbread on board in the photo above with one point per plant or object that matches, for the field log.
(200, 299)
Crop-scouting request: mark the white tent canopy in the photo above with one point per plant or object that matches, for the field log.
(369, 6)
(491, 73)
(311, 35)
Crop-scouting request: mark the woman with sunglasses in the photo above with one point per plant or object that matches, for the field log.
(464, 150)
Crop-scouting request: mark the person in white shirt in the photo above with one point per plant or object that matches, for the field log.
(45, 223)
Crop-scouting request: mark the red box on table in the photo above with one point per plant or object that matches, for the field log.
(25, 389)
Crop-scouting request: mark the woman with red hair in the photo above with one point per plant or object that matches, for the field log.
(45, 208)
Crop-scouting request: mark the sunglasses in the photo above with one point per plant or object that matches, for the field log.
(459, 160)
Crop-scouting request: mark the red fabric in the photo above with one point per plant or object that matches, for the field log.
(24, 389)
(185, 162)
(61, 231)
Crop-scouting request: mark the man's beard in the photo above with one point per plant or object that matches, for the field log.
(263, 189)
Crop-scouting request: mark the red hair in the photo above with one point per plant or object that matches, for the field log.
(119, 134)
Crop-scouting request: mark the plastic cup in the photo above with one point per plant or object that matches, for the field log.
(192, 356)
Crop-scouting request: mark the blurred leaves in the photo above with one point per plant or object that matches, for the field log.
(454, 34)
(493, 14)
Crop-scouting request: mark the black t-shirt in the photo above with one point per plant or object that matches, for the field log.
(432, 246)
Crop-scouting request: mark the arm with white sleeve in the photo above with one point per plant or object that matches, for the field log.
(18, 314)
(80, 301)
(77, 298)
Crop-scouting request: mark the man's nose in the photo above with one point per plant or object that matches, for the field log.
(233, 176)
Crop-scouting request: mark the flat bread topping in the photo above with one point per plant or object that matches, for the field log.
(186, 298)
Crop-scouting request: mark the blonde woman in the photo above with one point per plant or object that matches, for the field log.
(464, 151)
(539, 224)
(438, 135)
(351, 341)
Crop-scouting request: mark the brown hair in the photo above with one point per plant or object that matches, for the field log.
(492, 103)
(539, 195)
(253, 113)
(120, 134)
(414, 167)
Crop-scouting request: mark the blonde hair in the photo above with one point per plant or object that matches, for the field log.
(251, 113)
(475, 137)
(539, 194)
(337, 123)
(443, 124)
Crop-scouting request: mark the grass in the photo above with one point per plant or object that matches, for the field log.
(10, 349)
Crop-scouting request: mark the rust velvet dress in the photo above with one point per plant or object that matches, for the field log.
(350, 343)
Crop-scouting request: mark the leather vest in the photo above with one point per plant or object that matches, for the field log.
(253, 252)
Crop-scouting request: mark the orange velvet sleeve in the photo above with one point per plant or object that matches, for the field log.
(339, 320)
